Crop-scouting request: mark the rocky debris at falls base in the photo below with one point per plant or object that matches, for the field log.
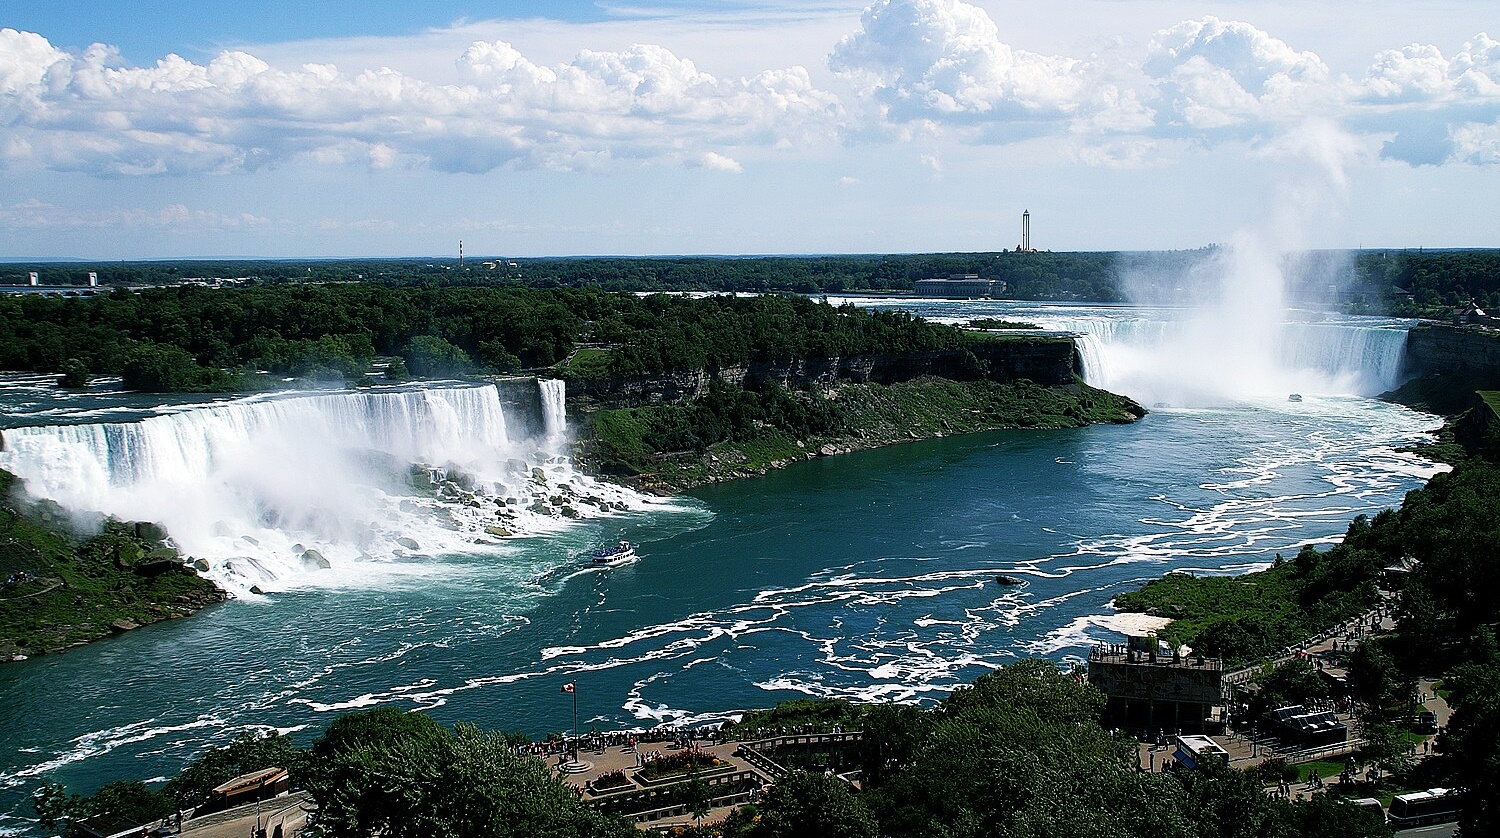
(62, 589)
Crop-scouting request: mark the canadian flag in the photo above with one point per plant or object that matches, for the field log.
(567, 688)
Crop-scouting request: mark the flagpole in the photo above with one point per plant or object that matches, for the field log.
(575, 709)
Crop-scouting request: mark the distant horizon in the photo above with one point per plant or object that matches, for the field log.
(69, 260)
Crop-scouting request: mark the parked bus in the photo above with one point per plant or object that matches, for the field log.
(1423, 807)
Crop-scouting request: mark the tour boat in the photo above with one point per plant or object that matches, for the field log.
(621, 553)
(1295, 397)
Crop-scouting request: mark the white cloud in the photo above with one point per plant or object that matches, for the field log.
(1215, 74)
(1420, 73)
(1477, 143)
(934, 72)
(944, 59)
(34, 214)
(719, 163)
(1439, 110)
(89, 113)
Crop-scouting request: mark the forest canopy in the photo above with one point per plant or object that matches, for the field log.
(190, 338)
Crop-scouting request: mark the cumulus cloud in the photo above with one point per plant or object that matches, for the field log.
(1215, 74)
(912, 71)
(1440, 109)
(944, 58)
(719, 163)
(91, 112)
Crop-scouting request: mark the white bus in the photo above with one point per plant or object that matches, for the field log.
(1423, 807)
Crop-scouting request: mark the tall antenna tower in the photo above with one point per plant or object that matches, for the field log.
(1026, 231)
(460, 253)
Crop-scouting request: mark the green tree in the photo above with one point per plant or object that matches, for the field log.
(129, 799)
(396, 370)
(429, 356)
(75, 374)
(53, 805)
(1471, 745)
(807, 805)
(401, 775)
(248, 752)
(362, 770)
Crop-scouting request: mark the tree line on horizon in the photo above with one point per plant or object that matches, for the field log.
(1398, 282)
(194, 339)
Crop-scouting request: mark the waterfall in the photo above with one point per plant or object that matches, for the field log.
(554, 395)
(1176, 357)
(268, 490)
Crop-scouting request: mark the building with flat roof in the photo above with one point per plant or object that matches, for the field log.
(958, 286)
(1150, 691)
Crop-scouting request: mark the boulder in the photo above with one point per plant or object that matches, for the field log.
(313, 560)
(538, 475)
(498, 532)
(150, 532)
(124, 624)
(151, 567)
(408, 543)
(128, 554)
(1004, 579)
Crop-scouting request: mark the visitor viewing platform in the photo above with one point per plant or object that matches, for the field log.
(1120, 654)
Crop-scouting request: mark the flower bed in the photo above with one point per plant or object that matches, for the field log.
(611, 781)
(680, 763)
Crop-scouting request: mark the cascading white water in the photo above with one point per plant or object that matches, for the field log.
(554, 411)
(266, 491)
(1159, 355)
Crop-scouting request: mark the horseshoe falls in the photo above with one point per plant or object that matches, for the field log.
(1180, 360)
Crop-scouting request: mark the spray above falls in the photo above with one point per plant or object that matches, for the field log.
(1243, 321)
(268, 492)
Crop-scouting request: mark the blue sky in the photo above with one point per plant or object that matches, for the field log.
(155, 130)
(148, 29)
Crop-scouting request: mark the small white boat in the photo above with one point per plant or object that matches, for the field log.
(621, 553)
(1295, 397)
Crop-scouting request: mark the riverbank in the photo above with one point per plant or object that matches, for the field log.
(59, 589)
(626, 443)
(1252, 616)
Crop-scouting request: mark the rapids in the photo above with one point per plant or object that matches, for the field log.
(867, 576)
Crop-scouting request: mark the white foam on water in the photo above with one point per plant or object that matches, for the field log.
(98, 743)
(378, 485)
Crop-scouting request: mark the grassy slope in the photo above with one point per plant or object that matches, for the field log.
(875, 414)
(58, 590)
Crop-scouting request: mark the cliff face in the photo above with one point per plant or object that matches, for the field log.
(1050, 362)
(1434, 349)
(1446, 364)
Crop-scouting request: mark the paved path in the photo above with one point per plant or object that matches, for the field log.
(240, 822)
(623, 758)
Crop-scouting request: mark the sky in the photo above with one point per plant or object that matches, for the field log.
(147, 129)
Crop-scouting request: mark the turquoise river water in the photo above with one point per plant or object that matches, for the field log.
(868, 576)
